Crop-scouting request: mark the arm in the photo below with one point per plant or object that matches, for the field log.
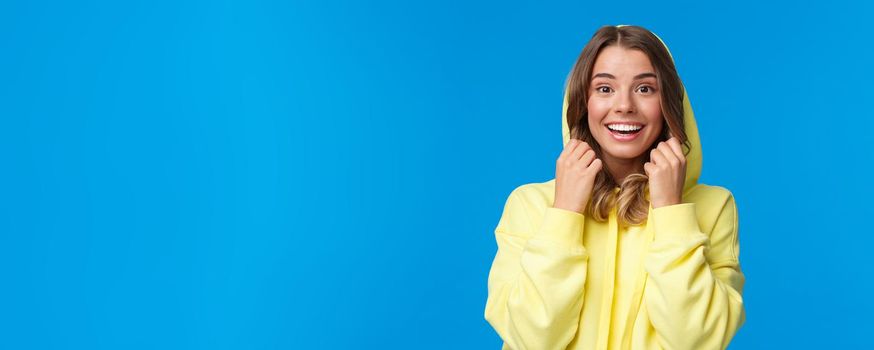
(694, 292)
(536, 282)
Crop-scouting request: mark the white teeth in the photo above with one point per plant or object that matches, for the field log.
(624, 127)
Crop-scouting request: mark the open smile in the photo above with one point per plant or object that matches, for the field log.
(625, 132)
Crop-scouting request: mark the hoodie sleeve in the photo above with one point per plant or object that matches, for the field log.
(536, 282)
(694, 292)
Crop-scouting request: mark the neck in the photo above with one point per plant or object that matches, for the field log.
(620, 168)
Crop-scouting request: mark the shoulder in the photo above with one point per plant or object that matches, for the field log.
(535, 195)
(525, 206)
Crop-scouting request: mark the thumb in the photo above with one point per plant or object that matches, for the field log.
(646, 167)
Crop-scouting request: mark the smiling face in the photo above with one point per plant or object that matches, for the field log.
(624, 94)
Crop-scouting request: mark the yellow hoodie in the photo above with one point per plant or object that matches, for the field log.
(561, 280)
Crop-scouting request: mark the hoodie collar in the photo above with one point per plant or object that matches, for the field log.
(693, 159)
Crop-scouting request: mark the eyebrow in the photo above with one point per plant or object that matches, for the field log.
(636, 77)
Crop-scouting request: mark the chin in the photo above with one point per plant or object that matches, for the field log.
(626, 150)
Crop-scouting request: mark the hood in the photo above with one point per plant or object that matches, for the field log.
(693, 159)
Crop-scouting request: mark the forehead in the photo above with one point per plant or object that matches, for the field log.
(621, 62)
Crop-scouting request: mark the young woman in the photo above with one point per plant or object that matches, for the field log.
(624, 249)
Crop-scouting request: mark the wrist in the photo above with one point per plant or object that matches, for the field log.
(665, 203)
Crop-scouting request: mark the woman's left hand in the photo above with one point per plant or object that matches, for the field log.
(667, 173)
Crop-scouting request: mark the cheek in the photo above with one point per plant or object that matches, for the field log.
(598, 105)
(652, 110)
(597, 110)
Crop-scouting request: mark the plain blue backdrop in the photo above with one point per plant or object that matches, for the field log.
(328, 174)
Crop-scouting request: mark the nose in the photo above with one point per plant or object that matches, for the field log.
(624, 103)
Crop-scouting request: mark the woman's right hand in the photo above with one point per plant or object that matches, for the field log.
(575, 172)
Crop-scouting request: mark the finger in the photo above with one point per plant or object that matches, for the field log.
(569, 147)
(580, 151)
(587, 158)
(668, 153)
(596, 164)
(571, 144)
(674, 143)
(657, 157)
(647, 168)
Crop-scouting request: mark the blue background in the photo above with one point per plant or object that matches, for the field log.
(328, 174)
